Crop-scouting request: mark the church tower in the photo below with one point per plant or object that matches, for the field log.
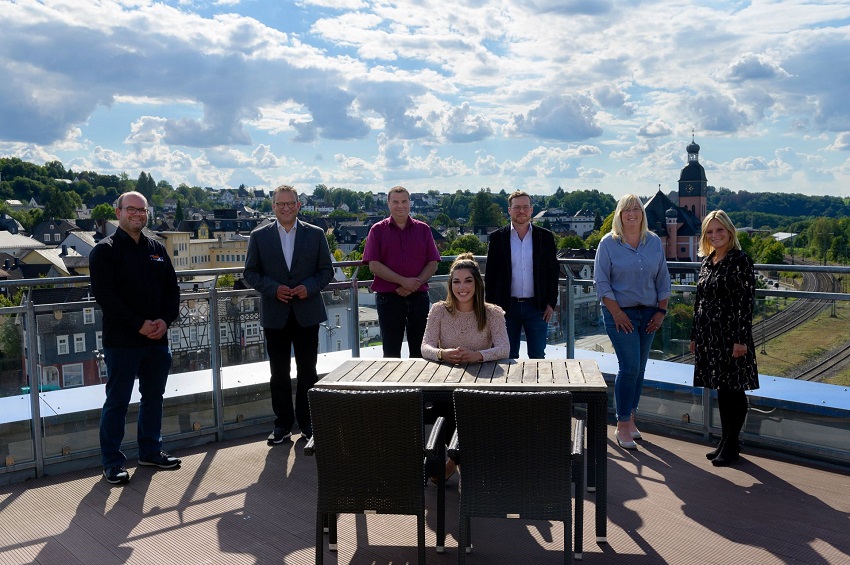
(693, 186)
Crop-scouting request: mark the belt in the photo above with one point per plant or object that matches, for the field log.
(636, 307)
(527, 299)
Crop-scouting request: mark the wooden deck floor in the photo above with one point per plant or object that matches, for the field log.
(242, 501)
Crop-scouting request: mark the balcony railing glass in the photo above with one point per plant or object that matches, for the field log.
(219, 379)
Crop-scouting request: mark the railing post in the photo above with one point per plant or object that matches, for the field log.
(354, 330)
(35, 385)
(215, 362)
(571, 317)
(706, 413)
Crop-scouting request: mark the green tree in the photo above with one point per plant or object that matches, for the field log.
(571, 242)
(483, 211)
(225, 281)
(772, 253)
(61, 204)
(821, 233)
(332, 245)
(178, 213)
(464, 243)
(103, 212)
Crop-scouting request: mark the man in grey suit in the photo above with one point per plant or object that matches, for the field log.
(289, 263)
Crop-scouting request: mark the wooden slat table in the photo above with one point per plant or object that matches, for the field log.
(582, 378)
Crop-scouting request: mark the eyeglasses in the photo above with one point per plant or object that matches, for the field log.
(285, 204)
(636, 210)
(132, 210)
(521, 208)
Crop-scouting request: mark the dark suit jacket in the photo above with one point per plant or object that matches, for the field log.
(497, 281)
(265, 271)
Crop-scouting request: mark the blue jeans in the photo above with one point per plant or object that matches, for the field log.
(524, 315)
(123, 365)
(397, 314)
(632, 354)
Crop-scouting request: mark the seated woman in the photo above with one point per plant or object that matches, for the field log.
(464, 329)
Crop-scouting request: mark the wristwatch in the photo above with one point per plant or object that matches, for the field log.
(439, 355)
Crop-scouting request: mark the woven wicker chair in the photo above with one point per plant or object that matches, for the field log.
(516, 459)
(371, 458)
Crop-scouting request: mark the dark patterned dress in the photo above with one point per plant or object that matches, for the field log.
(723, 316)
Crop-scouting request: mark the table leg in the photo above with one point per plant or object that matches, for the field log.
(598, 411)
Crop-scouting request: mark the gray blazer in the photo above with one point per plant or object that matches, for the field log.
(265, 271)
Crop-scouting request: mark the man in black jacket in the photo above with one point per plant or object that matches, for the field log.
(522, 276)
(134, 283)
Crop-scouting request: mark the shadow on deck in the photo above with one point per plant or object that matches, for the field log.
(241, 501)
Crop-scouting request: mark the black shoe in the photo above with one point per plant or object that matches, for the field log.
(727, 455)
(279, 435)
(307, 433)
(161, 460)
(712, 454)
(116, 475)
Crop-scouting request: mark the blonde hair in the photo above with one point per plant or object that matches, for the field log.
(628, 202)
(705, 248)
(467, 261)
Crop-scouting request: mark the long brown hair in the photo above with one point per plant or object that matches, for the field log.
(467, 261)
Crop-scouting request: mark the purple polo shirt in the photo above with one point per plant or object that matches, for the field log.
(405, 251)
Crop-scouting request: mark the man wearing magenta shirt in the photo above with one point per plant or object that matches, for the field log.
(402, 255)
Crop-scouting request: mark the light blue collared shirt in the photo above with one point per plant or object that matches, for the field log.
(522, 264)
(631, 276)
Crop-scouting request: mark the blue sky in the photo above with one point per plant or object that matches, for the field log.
(530, 94)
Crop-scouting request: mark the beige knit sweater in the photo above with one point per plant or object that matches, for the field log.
(447, 331)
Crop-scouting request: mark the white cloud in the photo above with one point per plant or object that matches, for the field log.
(469, 91)
(842, 142)
(564, 118)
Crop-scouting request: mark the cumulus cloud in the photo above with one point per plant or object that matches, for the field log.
(718, 113)
(395, 103)
(461, 126)
(563, 118)
(655, 128)
(486, 165)
(842, 142)
(749, 164)
(754, 66)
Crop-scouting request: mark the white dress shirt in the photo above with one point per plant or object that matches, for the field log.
(287, 242)
(522, 264)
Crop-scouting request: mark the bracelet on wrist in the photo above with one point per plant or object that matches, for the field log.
(662, 310)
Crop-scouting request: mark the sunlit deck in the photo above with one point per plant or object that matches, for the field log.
(241, 501)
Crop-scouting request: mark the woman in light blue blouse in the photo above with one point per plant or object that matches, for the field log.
(633, 284)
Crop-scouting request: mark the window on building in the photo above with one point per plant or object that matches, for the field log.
(62, 345)
(102, 370)
(337, 320)
(222, 332)
(72, 375)
(175, 337)
(50, 377)
(79, 343)
(88, 315)
(252, 329)
(339, 345)
(98, 341)
(57, 237)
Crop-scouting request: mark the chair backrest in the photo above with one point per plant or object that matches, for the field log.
(515, 452)
(369, 450)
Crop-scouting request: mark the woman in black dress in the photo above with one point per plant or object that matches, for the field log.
(722, 333)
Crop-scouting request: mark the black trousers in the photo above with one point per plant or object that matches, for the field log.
(279, 344)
